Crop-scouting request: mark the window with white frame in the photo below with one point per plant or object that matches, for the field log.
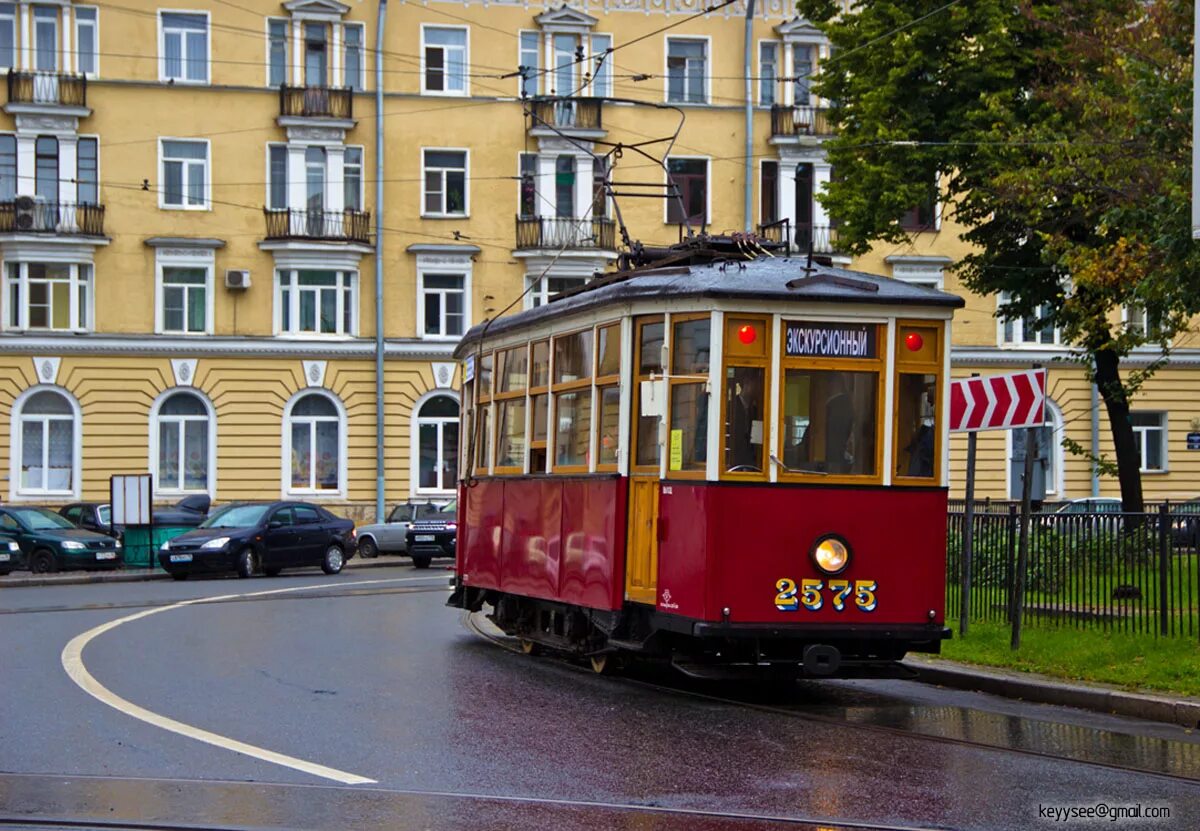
(45, 38)
(8, 35)
(601, 66)
(8, 167)
(277, 169)
(445, 176)
(87, 40)
(547, 288)
(1141, 320)
(1033, 330)
(687, 68)
(277, 52)
(444, 52)
(53, 296)
(443, 302)
(1150, 436)
(352, 54)
(45, 453)
(313, 433)
(918, 271)
(87, 179)
(529, 63)
(437, 445)
(182, 429)
(768, 72)
(183, 44)
(317, 302)
(185, 293)
(352, 173)
(184, 174)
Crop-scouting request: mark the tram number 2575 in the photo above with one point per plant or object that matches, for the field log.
(808, 594)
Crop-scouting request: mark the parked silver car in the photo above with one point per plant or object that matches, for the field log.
(388, 537)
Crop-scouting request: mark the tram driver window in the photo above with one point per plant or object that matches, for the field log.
(743, 419)
(829, 421)
(916, 424)
(690, 355)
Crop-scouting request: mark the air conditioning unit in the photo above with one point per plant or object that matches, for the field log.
(236, 279)
(25, 219)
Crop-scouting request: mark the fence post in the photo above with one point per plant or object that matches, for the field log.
(1164, 570)
(968, 538)
(1010, 556)
(1023, 546)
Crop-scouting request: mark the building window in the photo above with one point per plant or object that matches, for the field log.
(445, 182)
(318, 302)
(47, 424)
(1150, 436)
(529, 62)
(314, 187)
(548, 288)
(316, 55)
(1037, 329)
(184, 174)
(443, 300)
(769, 193)
(277, 164)
(802, 73)
(45, 168)
(45, 38)
(564, 186)
(87, 179)
(185, 297)
(768, 72)
(182, 432)
(1142, 321)
(183, 47)
(352, 178)
(87, 50)
(314, 437)
(352, 59)
(690, 180)
(601, 66)
(8, 35)
(686, 71)
(54, 296)
(277, 52)
(445, 60)
(526, 196)
(437, 443)
(8, 168)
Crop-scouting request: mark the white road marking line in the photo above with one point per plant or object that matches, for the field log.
(72, 662)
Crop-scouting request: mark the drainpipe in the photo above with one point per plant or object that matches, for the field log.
(749, 206)
(1095, 438)
(380, 507)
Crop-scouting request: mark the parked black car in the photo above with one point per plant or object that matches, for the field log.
(433, 536)
(94, 516)
(1185, 524)
(270, 536)
(48, 542)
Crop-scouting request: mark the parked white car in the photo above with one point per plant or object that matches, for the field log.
(388, 537)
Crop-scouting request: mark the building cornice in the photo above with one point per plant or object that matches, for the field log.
(221, 347)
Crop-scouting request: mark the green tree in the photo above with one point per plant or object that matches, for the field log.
(1058, 133)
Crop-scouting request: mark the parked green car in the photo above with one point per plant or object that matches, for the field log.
(46, 542)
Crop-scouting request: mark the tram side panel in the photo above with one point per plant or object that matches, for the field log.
(593, 523)
(531, 546)
(481, 504)
(748, 549)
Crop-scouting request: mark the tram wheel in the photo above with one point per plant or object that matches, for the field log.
(600, 663)
(528, 647)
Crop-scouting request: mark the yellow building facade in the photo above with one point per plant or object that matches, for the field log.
(192, 227)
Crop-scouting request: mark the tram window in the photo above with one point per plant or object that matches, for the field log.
(829, 421)
(608, 352)
(573, 357)
(690, 347)
(482, 440)
(537, 433)
(689, 427)
(573, 417)
(916, 425)
(541, 364)
(744, 419)
(650, 353)
(610, 416)
(513, 369)
(510, 434)
(651, 332)
(485, 376)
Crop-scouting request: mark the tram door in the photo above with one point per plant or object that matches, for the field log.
(641, 549)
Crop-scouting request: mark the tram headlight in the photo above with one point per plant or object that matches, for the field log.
(831, 554)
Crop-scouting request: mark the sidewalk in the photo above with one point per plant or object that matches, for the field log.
(1027, 686)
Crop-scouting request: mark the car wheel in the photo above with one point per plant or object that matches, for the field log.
(273, 571)
(368, 549)
(421, 561)
(43, 562)
(334, 560)
(179, 575)
(247, 563)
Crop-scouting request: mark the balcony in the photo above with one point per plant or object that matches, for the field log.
(47, 88)
(568, 114)
(325, 226)
(565, 232)
(316, 102)
(821, 238)
(797, 122)
(27, 215)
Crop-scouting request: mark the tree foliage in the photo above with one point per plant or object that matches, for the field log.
(1060, 133)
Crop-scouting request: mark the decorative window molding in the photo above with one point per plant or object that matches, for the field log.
(1150, 435)
(433, 446)
(41, 466)
(183, 440)
(183, 291)
(314, 461)
(921, 271)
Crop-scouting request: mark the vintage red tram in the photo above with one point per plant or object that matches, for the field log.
(727, 465)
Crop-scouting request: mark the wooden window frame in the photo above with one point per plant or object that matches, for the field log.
(499, 398)
(534, 392)
(766, 324)
(559, 388)
(601, 383)
(673, 382)
(482, 421)
(640, 322)
(936, 368)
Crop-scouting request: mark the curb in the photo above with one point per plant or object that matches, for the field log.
(78, 578)
(1043, 690)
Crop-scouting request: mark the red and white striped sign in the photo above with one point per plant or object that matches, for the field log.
(998, 402)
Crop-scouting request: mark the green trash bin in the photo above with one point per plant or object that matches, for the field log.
(143, 541)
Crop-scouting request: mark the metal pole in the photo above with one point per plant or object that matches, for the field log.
(380, 478)
(1023, 544)
(964, 603)
(1095, 438)
(749, 49)
(1164, 560)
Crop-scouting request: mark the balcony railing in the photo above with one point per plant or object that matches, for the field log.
(778, 231)
(793, 122)
(566, 232)
(27, 215)
(47, 88)
(822, 238)
(316, 102)
(337, 226)
(568, 113)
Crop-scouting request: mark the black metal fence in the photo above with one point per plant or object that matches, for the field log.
(348, 225)
(47, 88)
(26, 214)
(1119, 572)
(316, 102)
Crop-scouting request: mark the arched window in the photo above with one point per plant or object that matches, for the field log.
(437, 444)
(183, 440)
(1048, 463)
(314, 432)
(46, 423)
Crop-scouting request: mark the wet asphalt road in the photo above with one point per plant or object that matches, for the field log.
(367, 673)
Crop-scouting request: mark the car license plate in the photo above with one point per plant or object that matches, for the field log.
(106, 555)
(4, 557)
(424, 537)
(181, 558)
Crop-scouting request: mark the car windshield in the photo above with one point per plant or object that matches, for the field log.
(105, 514)
(450, 508)
(39, 519)
(236, 516)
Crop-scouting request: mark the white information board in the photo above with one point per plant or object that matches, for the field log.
(129, 494)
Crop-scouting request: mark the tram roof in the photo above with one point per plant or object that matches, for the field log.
(784, 279)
